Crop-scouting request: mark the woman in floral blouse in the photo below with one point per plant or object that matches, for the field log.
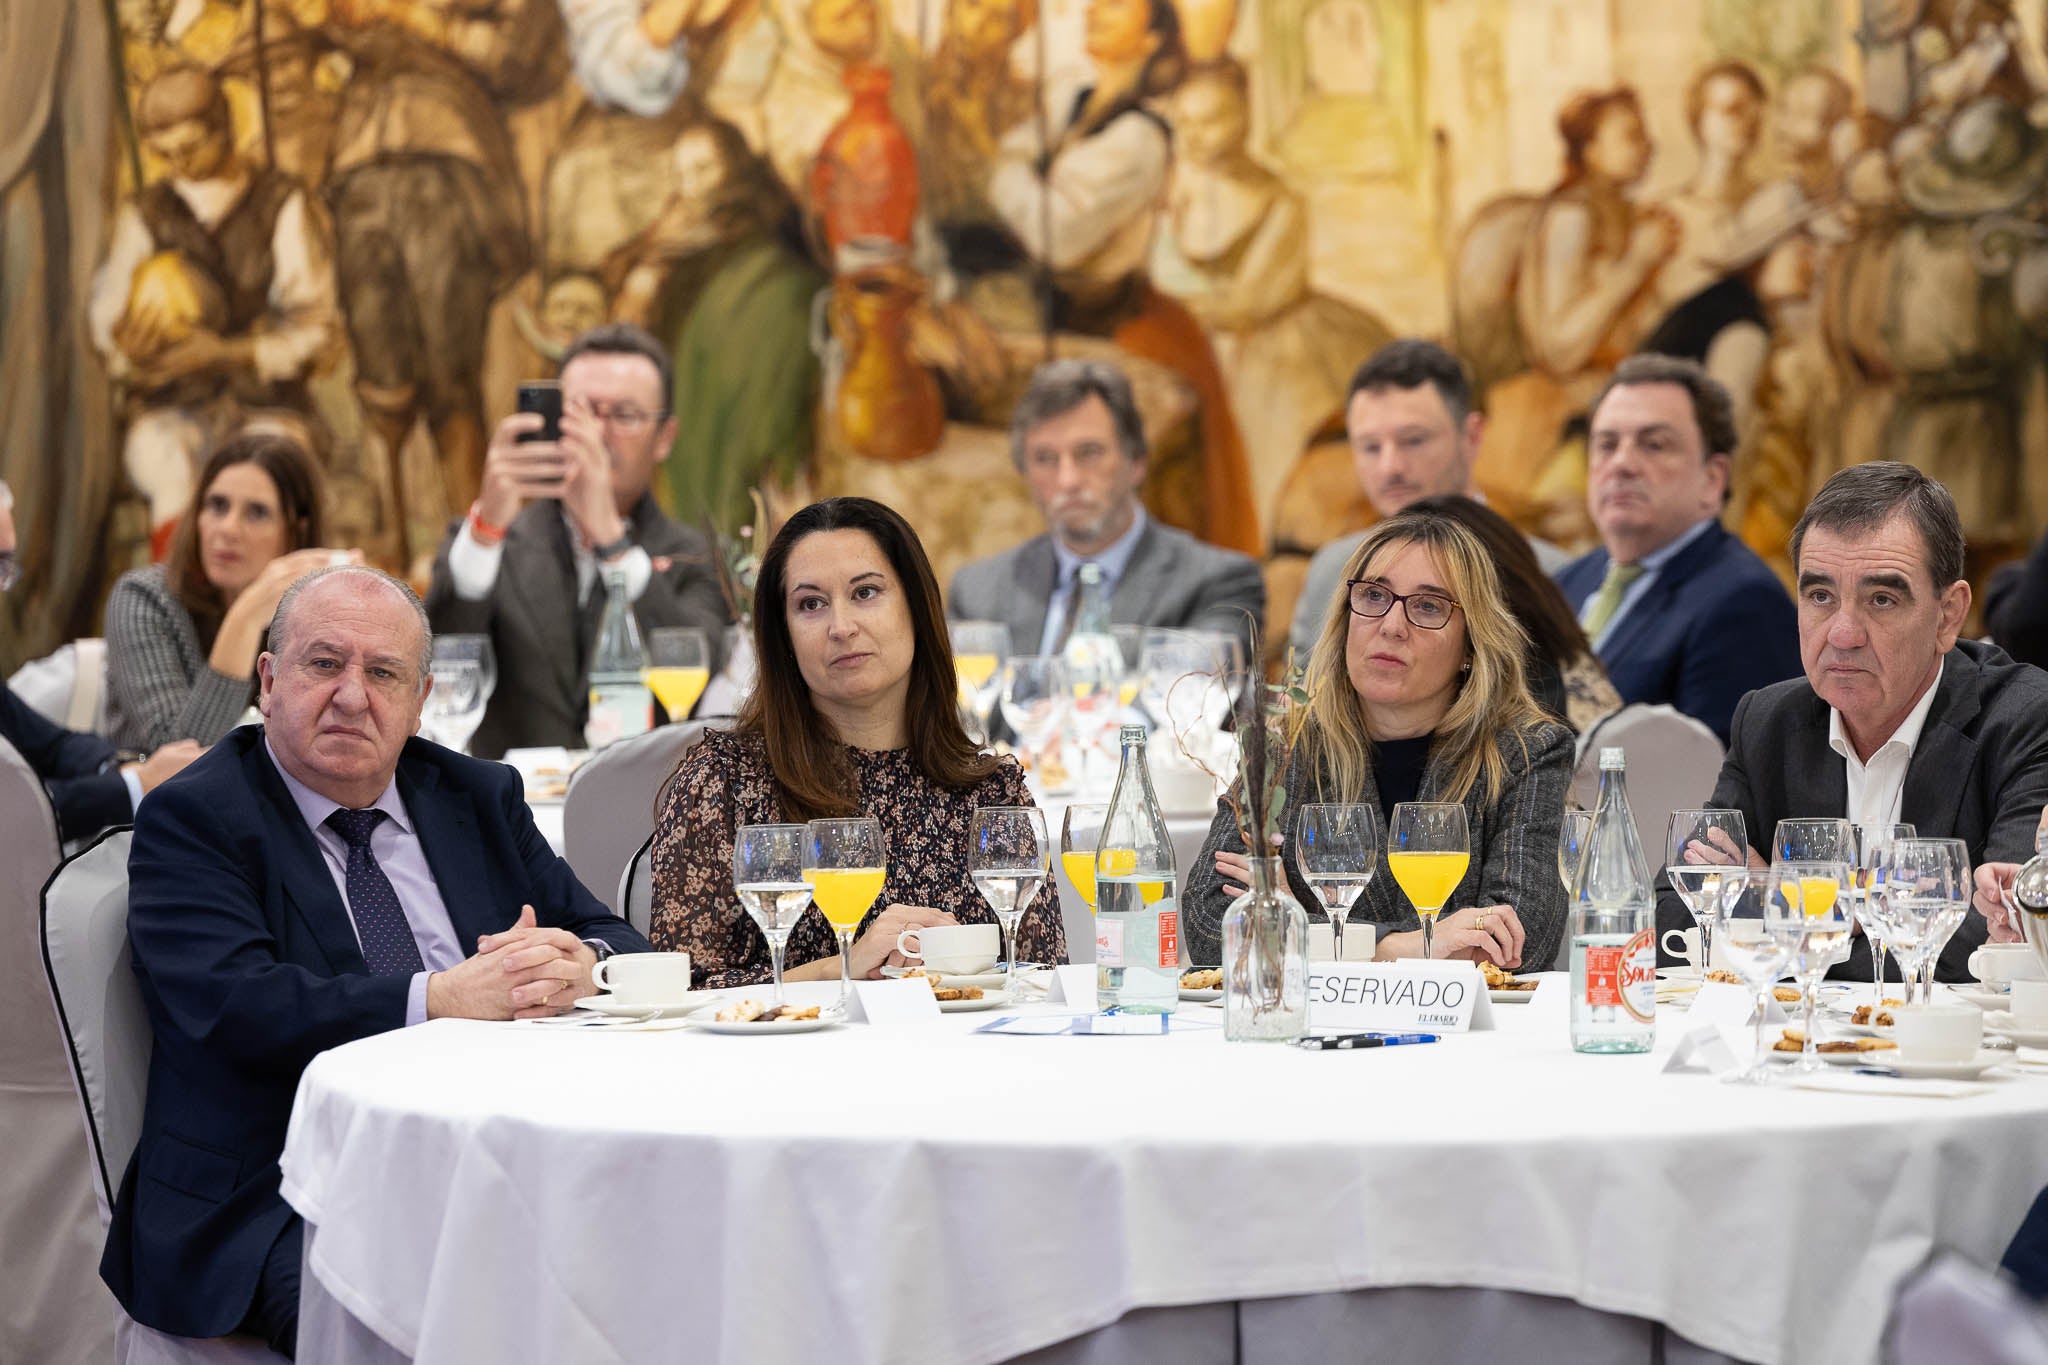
(853, 714)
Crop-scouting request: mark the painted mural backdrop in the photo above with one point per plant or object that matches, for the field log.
(859, 224)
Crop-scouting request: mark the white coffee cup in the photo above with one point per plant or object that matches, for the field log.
(1996, 964)
(2029, 1003)
(1686, 948)
(1938, 1033)
(963, 949)
(644, 978)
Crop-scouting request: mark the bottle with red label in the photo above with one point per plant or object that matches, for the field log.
(1614, 924)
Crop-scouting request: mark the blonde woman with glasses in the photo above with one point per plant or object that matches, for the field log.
(1417, 693)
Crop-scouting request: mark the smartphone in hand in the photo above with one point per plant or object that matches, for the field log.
(543, 396)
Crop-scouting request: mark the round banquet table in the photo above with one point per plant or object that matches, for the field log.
(518, 1193)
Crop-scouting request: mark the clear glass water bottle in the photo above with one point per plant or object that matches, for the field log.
(621, 706)
(1614, 927)
(1137, 908)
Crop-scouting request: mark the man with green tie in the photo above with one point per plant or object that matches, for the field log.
(1678, 610)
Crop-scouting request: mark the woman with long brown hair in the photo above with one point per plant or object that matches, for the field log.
(853, 713)
(183, 636)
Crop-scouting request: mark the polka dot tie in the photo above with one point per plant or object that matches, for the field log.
(388, 944)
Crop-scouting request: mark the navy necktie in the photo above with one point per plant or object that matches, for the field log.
(388, 944)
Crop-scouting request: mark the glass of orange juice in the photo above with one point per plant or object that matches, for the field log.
(1080, 832)
(678, 668)
(845, 863)
(1428, 850)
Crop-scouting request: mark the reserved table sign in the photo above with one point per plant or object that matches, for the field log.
(1401, 997)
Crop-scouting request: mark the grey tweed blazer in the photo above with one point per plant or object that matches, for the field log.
(159, 685)
(1514, 845)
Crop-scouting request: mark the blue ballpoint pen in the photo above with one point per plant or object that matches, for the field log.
(1343, 1042)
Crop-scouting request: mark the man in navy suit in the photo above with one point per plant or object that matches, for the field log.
(88, 785)
(319, 878)
(1678, 610)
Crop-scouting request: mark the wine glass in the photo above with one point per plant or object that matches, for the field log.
(1008, 857)
(1914, 882)
(1814, 841)
(1695, 862)
(1095, 672)
(678, 668)
(1815, 890)
(477, 647)
(1080, 835)
(455, 707)
(845, 863)
(1035, 695)
(1336, 849)
(1946, 915)
(979, 648)
(768, 874)
(1130, 643)
(1179, 683)
(1871, 842)
(1428, 850)
(1571, 843)
(1229, 651)
(1757, 929)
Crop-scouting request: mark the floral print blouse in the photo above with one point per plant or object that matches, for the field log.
(725, 782)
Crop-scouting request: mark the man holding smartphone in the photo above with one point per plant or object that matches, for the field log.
(524, 565)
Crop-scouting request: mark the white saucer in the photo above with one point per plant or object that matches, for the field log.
(1950, 1071)
(1512, 997)
(1201, 997)
(985, 980)
(2001, 1023)
(1882, 1057)
(990, 1001)
(609, 1004)
(707, 1020)
(1983, 997)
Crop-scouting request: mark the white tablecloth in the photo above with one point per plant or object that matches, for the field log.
(507, 1193)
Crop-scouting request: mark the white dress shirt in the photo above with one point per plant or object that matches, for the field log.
(473, 565)
(1876, 787)
(395, 844)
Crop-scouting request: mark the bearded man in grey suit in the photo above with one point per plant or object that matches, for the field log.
(1077, 439)
(1896, 719)
(532, 579)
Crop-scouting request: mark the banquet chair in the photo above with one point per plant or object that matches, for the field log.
(106, 1027)
(1961, 1314)
(609, 808)
(67, 686)
(52, 1304)
(636, 888)
(1673, 762)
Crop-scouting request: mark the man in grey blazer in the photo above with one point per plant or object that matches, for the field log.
(1077, 439)
(1896, 720)
(524, 566)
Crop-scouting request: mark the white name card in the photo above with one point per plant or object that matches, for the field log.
(1718, 1033)
(1400, 997)
(1073, 983)
(907, 1000)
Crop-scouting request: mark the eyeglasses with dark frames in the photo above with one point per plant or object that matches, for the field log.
(1426, 610)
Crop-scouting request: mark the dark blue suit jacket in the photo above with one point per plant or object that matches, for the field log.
(77, 769)
(1715, 623)
(249, 967)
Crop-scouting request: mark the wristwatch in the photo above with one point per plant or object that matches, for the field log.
(615, 548)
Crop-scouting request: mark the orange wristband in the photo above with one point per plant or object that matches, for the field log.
(484, 531)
